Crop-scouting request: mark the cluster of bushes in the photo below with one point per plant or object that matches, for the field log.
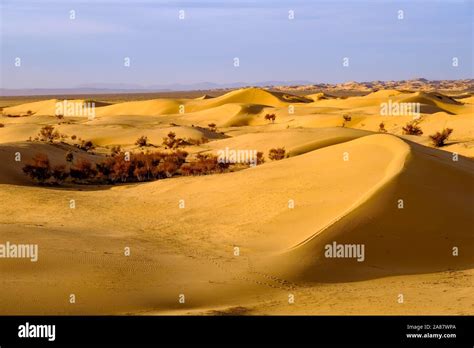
(192, 141)
(204, 164)
(50, 135)
(172, 142)
(277, 154)
(117, 168)
(438, 139)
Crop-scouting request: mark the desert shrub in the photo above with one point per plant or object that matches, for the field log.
(83, 170)
(412, 128)
(59, 116)
(2, 125)
(142, 141)
(438, 139)
(39, 168)
(204, 164)
(346, 118)
(270, 117)
(47, 133)
(59, 173)
(86, 145)
(73, 137)
(69, 156)
(172, 142)
(212, 127)
(277, 154)
(382, 128)
(260, 158)
(29, 112)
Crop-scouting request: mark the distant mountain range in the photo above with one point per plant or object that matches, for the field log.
(109, 88)
(113, 88)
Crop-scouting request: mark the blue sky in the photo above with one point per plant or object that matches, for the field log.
(58, 52)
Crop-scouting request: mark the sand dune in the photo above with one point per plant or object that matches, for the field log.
(49, 107)
(345, 183)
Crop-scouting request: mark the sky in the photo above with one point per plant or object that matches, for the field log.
(59, 52)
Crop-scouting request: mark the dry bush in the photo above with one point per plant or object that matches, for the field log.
(277, 154)
(86, 145)
(260, 158)
(270, 117)
(59, 174)
(346, 118)
(438, 139)
(142, 141)
(69, 156)
(47, 133)
(115, 150)
(203, 165)
(83, 170)
(39, 168)
(192, 141)
(212, 127)
(2, 125)
(382, 128)
(29, 112)
(73, 137)
(171, 142)
(412, 128)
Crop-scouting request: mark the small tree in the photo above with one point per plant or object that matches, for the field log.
(270, 117)
(438, 139)
(83, 170)
(277, 154)
(142, 141)
(382, 128)
(39, 169)
(346, 118)
(115, 150)
(87, 145)
(47, 133)
(412, 128)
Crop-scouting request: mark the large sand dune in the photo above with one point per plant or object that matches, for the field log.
(339, 184)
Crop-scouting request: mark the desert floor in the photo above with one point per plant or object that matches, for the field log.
(191, 250)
